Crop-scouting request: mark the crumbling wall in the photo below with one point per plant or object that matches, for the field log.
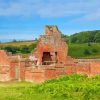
(53, 43)
(4, 73)
(4, 66)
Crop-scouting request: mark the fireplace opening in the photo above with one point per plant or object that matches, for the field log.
(46, 59)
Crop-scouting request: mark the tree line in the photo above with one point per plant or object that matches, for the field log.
(24, 49)
(83, 37)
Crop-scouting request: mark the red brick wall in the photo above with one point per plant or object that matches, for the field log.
(91, 68)
(13, 69)
(34, 75)
(50, 72)
(95, 68)
(21, 70)
(70, 69)
(4, 73)
(8, 68)
(4, 66)
(4, 58)
(54, 71)
(83, 70)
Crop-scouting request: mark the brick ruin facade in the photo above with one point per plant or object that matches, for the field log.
(49, 60)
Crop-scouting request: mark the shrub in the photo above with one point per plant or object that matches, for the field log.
(24, 49)
(87, 52)
(94, 50)
(12, 49)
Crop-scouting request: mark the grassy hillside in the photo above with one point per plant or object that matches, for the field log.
(85, 37)
(79, 50)
(73, 87)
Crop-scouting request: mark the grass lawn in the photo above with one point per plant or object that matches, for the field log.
(73, 87)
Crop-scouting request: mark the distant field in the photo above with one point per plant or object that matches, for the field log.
(75, 50)
(70, 87)
(17, 43)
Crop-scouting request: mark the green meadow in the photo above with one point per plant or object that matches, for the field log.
(71, 87)
(84, 51)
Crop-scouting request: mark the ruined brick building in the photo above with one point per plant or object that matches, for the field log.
(51, 48)
(49, 60)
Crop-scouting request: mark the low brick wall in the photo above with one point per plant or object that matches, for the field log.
(54, 71)
(83, 70)
(95, 68)
(22, 69)
(89, 68)
(34, 74)
(70, 70)
(50, 72)
(5, 77)
(43, 73)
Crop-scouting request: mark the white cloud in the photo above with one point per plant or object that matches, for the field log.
(51, 8)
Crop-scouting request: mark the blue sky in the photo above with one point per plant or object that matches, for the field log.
(26, 19)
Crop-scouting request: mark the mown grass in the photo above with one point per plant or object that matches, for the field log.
(71, 87)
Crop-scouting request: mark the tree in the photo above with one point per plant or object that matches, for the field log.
(97, 37)
(65, 38)
(24, 49)
(14, 40)
(32, 46)
(86, 37)
(12, 49)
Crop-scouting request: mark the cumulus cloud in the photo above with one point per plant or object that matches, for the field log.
(51, 8)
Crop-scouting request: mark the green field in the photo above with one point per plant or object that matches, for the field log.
(77, 50)
(73, 87)
(20, 43)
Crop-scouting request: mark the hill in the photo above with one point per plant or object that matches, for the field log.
(86, 37)
(84, 50)
(70, 87)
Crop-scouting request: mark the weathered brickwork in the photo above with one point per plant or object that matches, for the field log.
(51, 48)
(49, 60)
(4, 66)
